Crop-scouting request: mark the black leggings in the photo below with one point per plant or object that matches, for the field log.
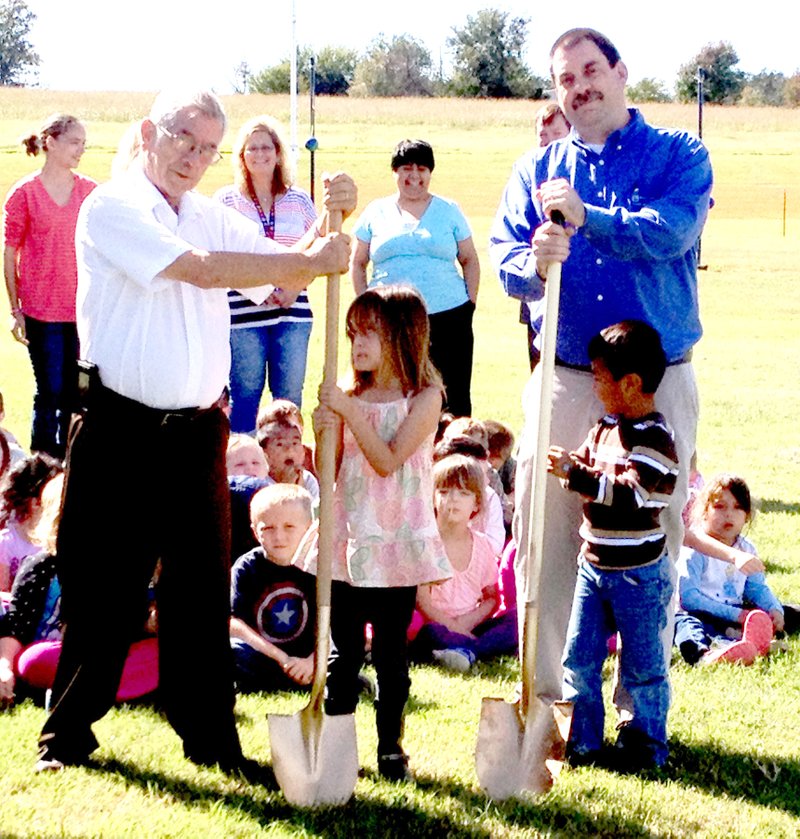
(389, 610)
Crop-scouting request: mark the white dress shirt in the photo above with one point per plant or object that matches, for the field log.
(163, 342)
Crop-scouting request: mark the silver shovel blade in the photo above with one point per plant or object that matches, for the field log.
(513, 757)
(315, 760)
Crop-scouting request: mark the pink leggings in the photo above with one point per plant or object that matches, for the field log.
(37, 664)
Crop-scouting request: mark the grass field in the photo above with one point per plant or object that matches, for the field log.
(734, 769)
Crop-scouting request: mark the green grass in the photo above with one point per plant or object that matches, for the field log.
(734, 769)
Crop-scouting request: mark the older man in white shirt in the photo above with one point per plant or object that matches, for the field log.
(146, 477)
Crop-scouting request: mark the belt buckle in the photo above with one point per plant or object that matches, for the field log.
(171, 418)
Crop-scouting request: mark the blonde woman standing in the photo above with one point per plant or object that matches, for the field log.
(41, 273)
(269, 342)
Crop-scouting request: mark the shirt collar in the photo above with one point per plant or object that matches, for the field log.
(618, 137)
(145, 191)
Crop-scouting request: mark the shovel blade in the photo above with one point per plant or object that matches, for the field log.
(513, 757)
(315, 757)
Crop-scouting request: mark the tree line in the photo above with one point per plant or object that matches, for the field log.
(487, 61)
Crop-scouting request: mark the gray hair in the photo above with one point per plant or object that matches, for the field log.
(169, 103)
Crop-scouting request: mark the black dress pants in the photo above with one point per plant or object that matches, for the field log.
(144, 485)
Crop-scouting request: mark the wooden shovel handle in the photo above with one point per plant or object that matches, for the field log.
(536, 522)
(327, 475)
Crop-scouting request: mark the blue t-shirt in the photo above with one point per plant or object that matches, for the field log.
(421, 253)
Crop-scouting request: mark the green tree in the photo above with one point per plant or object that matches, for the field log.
(791, 91)
(648, 90)
(399, 67)
(488, 57)
(723, 82)
(17, 55)
(764, 88)
(274, 79)
(335, 68)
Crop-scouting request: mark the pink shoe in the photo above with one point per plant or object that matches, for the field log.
(758, 630)
(740, 652)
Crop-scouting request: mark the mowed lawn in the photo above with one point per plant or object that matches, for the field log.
(735, 769)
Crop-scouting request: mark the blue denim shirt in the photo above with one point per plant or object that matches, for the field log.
(646, 196)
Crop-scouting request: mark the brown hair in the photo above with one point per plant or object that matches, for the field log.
(713, 490)
(397, 313)
(54, 126)
(282, 176)
(457, 471)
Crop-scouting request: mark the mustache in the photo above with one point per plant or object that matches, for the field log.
(584, 98)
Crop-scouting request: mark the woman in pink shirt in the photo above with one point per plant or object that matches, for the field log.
(41, 273)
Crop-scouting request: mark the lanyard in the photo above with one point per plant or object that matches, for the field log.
(267, 223)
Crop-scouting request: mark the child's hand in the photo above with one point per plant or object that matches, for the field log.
(777, 619)
(300, 669)
(323, 417)
(333, 397)
(7, 681)
(559, 462)
(747, 563)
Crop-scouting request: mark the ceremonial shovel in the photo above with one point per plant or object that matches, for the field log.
(521, 744)
(315, 756)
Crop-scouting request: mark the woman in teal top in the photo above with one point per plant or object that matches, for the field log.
(418, 239)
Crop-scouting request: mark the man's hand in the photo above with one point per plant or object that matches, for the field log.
(777, 619)
(559, 462)
(331, 254)
(340, 193)
(550, 243)
(561, 195)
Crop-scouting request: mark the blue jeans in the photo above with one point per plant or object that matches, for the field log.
(53, 348)
(633, 602)
(259, 354)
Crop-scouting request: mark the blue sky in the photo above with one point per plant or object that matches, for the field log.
(96, 45)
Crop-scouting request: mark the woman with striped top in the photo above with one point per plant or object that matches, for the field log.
(269, 342)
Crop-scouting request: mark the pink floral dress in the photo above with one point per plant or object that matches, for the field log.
(386, 530)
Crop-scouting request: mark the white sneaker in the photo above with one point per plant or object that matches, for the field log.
(458, 660)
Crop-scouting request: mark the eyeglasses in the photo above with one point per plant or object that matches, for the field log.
(186, 143)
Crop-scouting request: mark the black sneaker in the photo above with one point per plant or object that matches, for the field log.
(394, 767)
(692, 652)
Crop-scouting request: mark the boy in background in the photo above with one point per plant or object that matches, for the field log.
(626, 471)
(273, 603)
(281, 440)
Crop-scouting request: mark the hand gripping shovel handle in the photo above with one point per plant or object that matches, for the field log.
(552, 293)
(327, 476)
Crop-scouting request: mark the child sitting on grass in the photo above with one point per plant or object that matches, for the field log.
(725, 615)
(626, 471)
(272, 601)
(459, 626)
(244, 457)
(281, 440)
(490, 519)
(284, 409)
(20, 509)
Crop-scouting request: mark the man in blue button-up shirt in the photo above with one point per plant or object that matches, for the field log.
(634, 199)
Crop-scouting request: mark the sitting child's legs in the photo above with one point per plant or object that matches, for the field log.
(258, 672)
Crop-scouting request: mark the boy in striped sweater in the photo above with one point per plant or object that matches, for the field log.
(626, 471)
